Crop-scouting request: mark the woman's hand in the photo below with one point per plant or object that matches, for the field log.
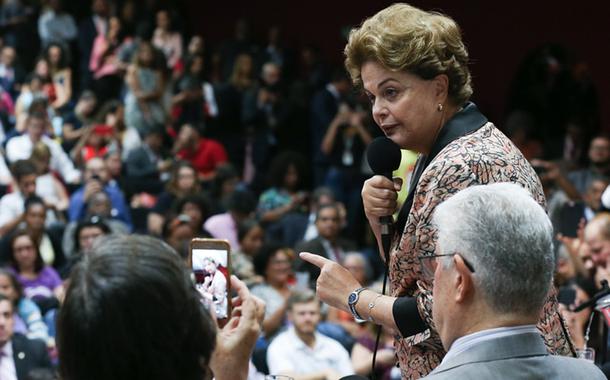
(379, 196)
(335, 283)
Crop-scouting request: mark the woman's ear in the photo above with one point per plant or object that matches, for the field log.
(441, 87)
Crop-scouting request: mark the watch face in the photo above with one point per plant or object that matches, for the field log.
(352, 298)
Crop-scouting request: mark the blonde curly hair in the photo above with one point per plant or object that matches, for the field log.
(404, 38)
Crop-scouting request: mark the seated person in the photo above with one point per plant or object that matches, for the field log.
(20, 148)
(27, 317)
(20, 355)
(98, 208)
(48, 186)
(203, 153)
(11, 204)
(84, 235)
(147, 168)
(303, 353)
(136, 278)
(41, 283)
(241, 205)
(96, 178)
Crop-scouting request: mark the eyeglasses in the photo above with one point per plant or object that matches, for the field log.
(428, 264)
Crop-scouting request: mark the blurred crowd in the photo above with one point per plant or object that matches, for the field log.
(121, 121)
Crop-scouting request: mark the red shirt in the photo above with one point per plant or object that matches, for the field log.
(208, 155)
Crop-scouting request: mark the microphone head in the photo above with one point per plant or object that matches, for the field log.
(383, 156)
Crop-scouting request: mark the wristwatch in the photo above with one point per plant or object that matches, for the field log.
(352, 300)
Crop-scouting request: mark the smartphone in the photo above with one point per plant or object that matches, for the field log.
(210, 260)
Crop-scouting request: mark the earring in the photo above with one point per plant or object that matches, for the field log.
(439, 107)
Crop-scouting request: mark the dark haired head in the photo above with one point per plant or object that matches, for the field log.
(131, 312)
(64, 60)
(33, 200)
(279, 167)
(93, 221)
(17, 287)
(264, 256)
(197, 199)
(38, 264)
(242, 202)
(22, 168)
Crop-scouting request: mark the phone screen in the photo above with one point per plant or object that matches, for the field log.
(211, 271)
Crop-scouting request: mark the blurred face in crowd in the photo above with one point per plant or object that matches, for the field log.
(271, 74)
(35, 128)
(114, 164)
(42, 68)
(6, 322)
(87, 237)
(7, 289)
(327, 223)
(100, 7)
(253, 241)
(188, 137)
(279, 268)
(96, 167)
(195, 45)
(54, 55)
(597, 245)
(305, 317)
(186, 179)
(195, 213)
(145, 54)
(599, 151)
(593, 196)
(99, 204)
(24, 252)
(27, 185)
(35, 217)
(163, 21)
(8, 56)
(291, 178)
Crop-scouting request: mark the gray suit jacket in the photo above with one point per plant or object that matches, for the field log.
(522, 356)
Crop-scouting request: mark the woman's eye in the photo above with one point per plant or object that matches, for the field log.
(390, 92)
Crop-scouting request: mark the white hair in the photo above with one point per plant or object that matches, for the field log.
(508, 239)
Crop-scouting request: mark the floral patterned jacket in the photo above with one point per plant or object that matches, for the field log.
(480, 157)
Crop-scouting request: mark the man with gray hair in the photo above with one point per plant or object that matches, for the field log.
(492, 275)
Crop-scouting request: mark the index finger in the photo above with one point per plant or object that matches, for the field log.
(316, 260)
(240, 288)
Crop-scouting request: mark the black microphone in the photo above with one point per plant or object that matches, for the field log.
(383, 156)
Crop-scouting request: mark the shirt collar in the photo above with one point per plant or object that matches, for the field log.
(464, 343)
(7, 350)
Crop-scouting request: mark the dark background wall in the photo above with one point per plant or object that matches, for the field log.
(498, 34)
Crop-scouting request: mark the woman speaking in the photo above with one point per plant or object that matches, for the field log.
(413, 66)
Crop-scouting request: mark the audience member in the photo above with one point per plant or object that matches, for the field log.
(488, 302)
(274, 264)
(328, 243)
(27, 316)
(12, 204)
(58, 58)
(251, 238)
(195, 207)
(182, 182)
(144, 285)
(147, 165)
(241, 205)
(145, 83)
(20, 355)
(41, 283)
(203, 153)
(97, 179)
(303, 353)
(49, 243)
(599, 158)
(166, 39)
(48, 187)
(20, 148)
(56, 25)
